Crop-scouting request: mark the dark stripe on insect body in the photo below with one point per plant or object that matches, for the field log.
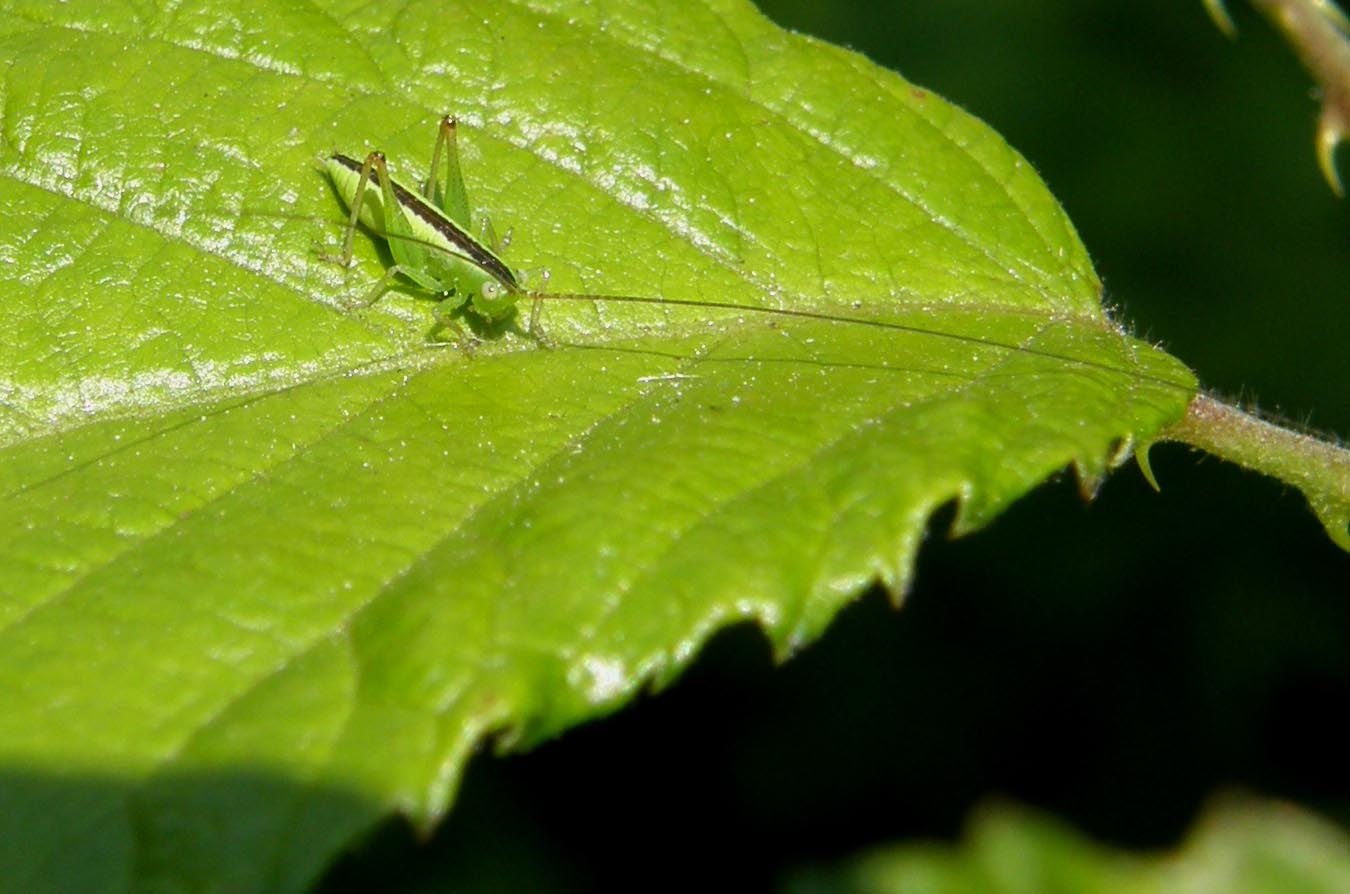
(453, 233)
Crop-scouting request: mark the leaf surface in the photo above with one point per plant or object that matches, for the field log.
(273, 565)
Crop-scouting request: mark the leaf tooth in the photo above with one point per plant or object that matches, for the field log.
(1141, 459)
(1331, 129)
(1219, 14)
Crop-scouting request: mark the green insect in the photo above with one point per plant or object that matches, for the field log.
(428, 232)
(429, 236)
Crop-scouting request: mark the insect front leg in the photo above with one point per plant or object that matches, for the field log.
(535, 330)
(443, 315)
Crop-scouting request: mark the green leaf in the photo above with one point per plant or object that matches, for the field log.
(273, 565)
(1240, 845)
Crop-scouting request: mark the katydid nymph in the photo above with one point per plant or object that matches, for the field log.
(429, 235)
(430, 239)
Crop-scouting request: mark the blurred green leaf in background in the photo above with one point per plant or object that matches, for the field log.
(1240, 845)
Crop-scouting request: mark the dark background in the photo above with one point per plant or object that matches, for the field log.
(1115, 662)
